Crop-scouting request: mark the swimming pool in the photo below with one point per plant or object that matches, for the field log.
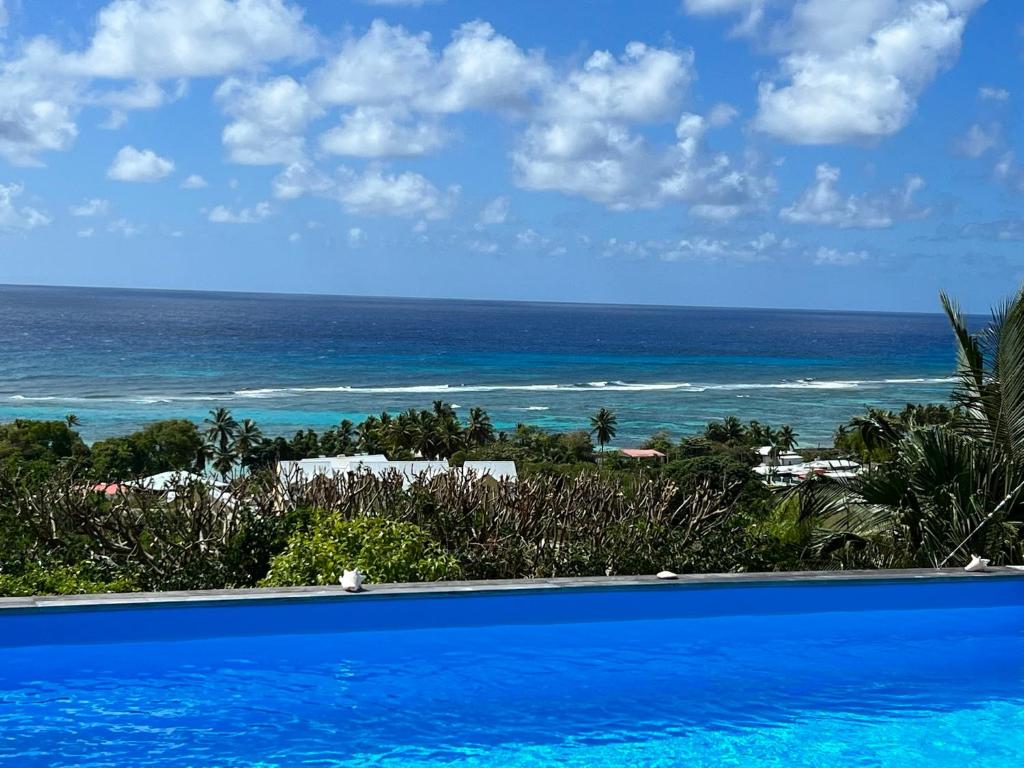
(861, 672)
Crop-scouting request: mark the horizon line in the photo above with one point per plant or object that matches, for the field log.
(464, 299)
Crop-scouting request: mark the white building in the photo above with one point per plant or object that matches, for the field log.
(782, 469)
(305, 470)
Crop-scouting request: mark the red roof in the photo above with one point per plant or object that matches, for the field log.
(642, 453)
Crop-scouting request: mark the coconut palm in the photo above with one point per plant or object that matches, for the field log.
(603, 426)
(247, 436)
(221, 429)
(947, 488)
(786, 438)
(72, 421)
(479, 430)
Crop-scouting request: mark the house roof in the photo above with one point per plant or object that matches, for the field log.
(641, 453)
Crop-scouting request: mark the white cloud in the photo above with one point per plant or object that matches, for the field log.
(124, 228)
(94, 207)
(294, 237)
(836, 258)
(270, 119)
(478, 69)
(374, 193)
(14, 217)
(760, 248)
(201, 38)
(852, 72)
(223, 215)
(752, 11)
(382, 132)
(356, 236)
(87, 232)
(131, 164)
(979, 139)
(991, 93)
(823, 204)
(385, 65)
(1009, 172)
(194, 181)
(481, 69)
(495, 212)
(301, 178)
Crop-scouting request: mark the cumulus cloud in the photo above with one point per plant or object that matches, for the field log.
(382, 132)
(194, 181)
(388, 65)
(834, 257)
(270, 119)
(299, 179)
(848, 72)
(164, 39)
(760, 248)
(14, 217)
(94, 207)
(131, 164)
(375, 193)
(356, 236)
(224, 215)
(586, 139)
(144, 42)
(823, 204)
(1008, 172)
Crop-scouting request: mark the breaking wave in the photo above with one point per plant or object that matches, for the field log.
(454, 389)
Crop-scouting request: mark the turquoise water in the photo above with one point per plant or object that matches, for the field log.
(854, 686)
(120, 358)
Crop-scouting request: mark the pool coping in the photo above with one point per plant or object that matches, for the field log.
(496, 586)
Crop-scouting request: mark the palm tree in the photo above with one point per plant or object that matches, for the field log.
(346, 435)
(786, 438)
(72, 421)
(603, 426)
(246, 438)
(943, 488)
(220, 434)
(479, 430)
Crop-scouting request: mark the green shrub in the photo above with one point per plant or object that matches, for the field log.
(60, 580)
(384, 550)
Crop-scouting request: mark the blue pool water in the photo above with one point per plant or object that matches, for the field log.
(922, 674)
(121, 358)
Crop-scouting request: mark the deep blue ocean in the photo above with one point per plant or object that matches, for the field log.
(120, 358)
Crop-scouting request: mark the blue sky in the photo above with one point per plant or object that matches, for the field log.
(817, 153)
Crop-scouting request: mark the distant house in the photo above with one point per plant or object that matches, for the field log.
(304, 470)
(496, 470)
(782, 469)
(642, 453)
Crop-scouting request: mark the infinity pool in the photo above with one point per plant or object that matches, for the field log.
(902, 673)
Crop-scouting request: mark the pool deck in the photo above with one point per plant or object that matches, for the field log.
(433, 589)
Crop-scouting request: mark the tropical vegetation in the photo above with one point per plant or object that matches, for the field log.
(940, 481)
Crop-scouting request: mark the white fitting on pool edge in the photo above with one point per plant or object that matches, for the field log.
(352, 581)
(667, 575)
(977, 564)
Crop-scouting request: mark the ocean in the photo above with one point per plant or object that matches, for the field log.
(120, 358)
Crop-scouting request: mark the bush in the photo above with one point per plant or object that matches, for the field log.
(384, 550)
(60, 580)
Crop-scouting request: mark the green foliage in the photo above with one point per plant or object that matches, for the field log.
(163, 446)
(37, 447)
(384, 550)
(60, 580)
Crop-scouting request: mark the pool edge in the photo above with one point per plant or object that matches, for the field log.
(46, 603)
